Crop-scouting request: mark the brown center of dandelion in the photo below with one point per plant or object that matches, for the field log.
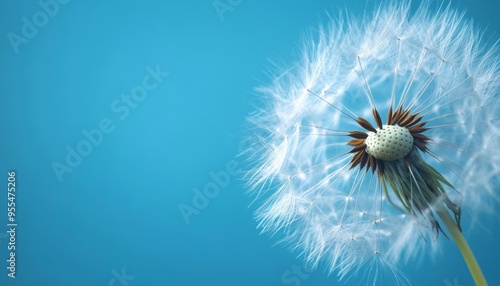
(389, 142)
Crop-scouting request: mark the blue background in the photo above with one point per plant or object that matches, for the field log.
(118, 210)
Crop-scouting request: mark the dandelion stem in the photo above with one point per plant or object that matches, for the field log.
(470, 260)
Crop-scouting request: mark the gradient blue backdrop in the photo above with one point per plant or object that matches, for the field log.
(117, 212)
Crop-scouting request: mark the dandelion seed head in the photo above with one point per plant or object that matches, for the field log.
(322, 185)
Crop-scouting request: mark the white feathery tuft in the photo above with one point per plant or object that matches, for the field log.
(431, 62)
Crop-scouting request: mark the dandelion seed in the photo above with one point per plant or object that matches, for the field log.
(374, 143)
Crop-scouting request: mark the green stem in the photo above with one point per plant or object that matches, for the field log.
(469, 258)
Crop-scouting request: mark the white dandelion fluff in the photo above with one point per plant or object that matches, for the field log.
(378, 139)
